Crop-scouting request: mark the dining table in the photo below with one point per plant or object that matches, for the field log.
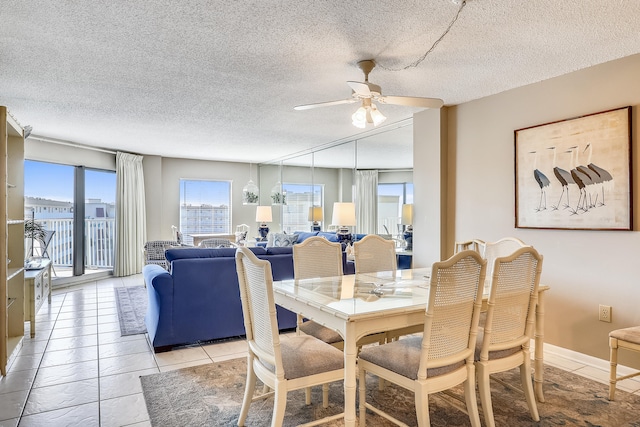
(357, 305)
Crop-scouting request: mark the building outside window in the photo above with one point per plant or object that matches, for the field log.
(300, 197)
(391, 197)
(204, 207)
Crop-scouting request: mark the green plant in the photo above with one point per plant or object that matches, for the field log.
(251, 197)
(33, 230)
(279, 198)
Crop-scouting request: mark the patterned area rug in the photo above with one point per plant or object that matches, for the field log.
(212, 394)
(132, 305)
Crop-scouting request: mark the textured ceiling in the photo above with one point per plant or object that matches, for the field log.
(219, 80)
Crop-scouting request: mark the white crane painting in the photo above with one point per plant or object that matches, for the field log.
(583, 166)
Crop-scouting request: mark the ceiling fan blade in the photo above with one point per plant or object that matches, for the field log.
(360, 88)
(325, 104)
(411, 101)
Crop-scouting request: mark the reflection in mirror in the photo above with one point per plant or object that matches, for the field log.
(336, 173)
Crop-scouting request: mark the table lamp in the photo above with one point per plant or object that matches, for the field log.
(344, 215)
(263, 215)
(315, 215)
(407, 219)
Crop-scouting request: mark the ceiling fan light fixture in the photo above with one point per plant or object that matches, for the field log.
(377, 117)
(359, 118)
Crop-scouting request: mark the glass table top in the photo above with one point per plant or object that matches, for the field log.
(365, 293)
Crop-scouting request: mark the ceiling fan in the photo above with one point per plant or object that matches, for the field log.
(366, 92)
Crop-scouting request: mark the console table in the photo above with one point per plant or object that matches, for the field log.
(37, 285)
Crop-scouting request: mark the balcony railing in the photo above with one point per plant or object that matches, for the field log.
(100, 237)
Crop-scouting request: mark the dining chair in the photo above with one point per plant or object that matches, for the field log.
(503, 342)
(473, 244)
(318, 257)
(628, 339)
(442, 357)
(282, 365)
(503, 247)
(373, 254)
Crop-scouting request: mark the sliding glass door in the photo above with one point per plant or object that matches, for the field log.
(391, 197)
(76, 208)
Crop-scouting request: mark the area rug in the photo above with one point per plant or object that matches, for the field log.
(211, 395)
(132, 305)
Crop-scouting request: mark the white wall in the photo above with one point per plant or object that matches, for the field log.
(583, 268)
(162, 187)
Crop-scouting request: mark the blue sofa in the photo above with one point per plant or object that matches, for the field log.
(199, 299)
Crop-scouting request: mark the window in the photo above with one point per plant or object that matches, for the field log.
(295, 214)
(79, 245)
(391, 197)
(204, 207)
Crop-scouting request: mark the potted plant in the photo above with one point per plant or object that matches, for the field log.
(33, 231)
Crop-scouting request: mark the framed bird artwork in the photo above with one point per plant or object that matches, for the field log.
(575, 173)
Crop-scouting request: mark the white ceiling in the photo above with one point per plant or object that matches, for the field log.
(219, 80)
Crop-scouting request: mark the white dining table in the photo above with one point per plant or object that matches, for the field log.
(361, 304)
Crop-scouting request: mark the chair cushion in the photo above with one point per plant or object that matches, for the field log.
(322, 333)
(304, 355)
(627, 334)
(403, 357)
(492, 354)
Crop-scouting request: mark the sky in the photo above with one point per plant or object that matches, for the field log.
(197, 192)
(55, 182)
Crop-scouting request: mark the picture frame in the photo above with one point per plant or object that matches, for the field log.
(575, 173)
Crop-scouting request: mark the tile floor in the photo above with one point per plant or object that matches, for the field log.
(79, 371)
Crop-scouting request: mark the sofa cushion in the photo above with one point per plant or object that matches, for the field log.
(186, 253)
(279, 250)
(304, 235)
(332, 237)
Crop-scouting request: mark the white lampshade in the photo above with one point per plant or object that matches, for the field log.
(376, 116)
(407, 214)
(263, 214)
(344, 214)
(359, 118)
(315, 213)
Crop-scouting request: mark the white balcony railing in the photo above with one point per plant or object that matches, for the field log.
(100, 236)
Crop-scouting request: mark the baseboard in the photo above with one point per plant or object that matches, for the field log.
(63, 282)
(584, 359)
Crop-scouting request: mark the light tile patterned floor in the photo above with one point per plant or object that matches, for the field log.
(79, 371)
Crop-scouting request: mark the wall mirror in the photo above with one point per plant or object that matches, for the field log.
(328, 174)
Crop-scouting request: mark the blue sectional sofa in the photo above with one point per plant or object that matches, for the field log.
(199, 299)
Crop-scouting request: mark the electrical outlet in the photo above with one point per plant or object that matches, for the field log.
(604, 313)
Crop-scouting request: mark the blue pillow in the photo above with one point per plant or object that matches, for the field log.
(332, 237)
(303, 235)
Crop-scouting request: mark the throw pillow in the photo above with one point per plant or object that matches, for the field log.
(282, 239)
(241, 238)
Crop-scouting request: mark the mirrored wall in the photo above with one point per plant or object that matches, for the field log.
(338, 172)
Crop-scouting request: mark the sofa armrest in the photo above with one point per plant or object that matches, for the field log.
(159, 315)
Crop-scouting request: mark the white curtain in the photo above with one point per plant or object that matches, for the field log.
(367, 201)
(131, 220)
